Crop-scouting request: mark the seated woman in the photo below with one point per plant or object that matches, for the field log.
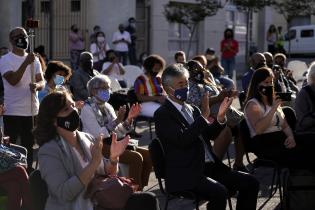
(197, 89)
(69, 159)
(148, 86)
(272, 137)
(14, 183)
(98, 116)
(113, 68)
(56, 75)
(217, 70)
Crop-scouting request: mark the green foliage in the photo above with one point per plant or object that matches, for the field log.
(253, 5)
(293, 8)
(190, 14)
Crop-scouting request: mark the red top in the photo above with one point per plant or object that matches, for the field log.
(229, 48)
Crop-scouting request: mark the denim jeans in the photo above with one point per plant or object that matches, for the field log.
(229, 65)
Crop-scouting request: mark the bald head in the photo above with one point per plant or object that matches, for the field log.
(86, 61)
(269, 59)
(19, 40)
(258, 60)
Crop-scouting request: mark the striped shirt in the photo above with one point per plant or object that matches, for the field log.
(148, 85)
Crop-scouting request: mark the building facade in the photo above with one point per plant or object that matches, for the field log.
(154, 33)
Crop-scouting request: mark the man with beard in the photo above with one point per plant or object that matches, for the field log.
(121, 40)
(257, 61)
(20, 96)
(131, 28)
(82, 76)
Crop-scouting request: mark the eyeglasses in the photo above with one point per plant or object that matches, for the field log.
(104, 88)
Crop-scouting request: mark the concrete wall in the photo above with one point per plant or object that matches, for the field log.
(159, 29)
(11, 16)
(267, 17)
(109, 14)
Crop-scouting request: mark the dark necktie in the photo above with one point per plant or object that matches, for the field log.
(189, 118)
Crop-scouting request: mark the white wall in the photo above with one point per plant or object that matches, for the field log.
(11, 16)
(159, 29)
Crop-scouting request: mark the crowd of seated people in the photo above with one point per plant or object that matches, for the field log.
(84, 132)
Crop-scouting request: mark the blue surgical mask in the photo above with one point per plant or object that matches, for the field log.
(181, 93)
(59, 80)
(103, 95)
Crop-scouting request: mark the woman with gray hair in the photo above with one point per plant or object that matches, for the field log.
(305, 105)
(98, 116)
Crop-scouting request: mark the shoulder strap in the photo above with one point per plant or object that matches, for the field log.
(310, 93)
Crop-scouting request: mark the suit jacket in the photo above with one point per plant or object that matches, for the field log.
(60, 169)
(185, 157)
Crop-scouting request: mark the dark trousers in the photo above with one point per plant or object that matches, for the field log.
(132, 54)
(142, 201)
(123, 57)
(271, 146)
(20, 126)
(221, 181)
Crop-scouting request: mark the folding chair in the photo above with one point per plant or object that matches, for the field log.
(158, 159)
(150, 120)
(157, 153)
(259, 162)
(39, 190)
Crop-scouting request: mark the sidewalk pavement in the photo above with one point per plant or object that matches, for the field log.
(264, 175)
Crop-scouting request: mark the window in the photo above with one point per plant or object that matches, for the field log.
(75, 6)
(307, 33)
(45, 6)
(291, 35)
(178, 38)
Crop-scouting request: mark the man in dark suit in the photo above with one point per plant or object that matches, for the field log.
(190, 163)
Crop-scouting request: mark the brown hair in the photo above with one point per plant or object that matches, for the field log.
(53, 67)
(259, 75)
(151, 60)
(49, 108)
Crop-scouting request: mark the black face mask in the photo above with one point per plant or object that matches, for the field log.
(199, 76)
(111, 59)
(75, 30)
(70, 122)
(270, 65)
(154, 74)
(268, 92)
(21, 43)
(259, 65)
(87, 66)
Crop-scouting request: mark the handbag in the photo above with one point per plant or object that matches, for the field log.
(10, 158)
(234, 116)
(110, 192)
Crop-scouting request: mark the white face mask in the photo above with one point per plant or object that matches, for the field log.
(100, 39)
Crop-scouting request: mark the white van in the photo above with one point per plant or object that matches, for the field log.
(302, 40)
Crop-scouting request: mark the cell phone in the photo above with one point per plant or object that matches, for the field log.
(284, 96)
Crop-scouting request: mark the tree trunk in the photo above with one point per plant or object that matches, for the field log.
(289, 36)
(247, 36)
(192, 32)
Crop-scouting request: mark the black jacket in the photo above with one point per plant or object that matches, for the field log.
(185, 158)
